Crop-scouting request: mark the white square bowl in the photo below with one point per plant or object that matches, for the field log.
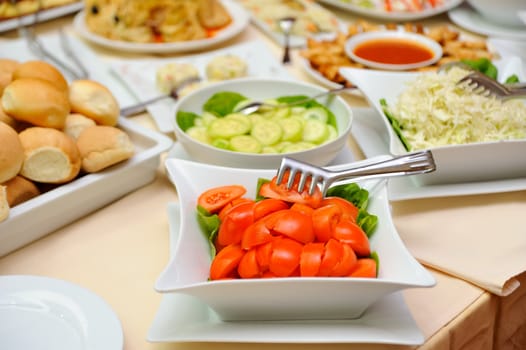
(482, 161)
(53, 209)
(278, 298)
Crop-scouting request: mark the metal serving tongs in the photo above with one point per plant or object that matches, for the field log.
(408, 164)
(27, 31)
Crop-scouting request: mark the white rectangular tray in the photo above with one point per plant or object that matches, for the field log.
(53, 209)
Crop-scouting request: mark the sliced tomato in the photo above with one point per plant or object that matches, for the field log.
(225, 262)
(273, 190)
(331, 258)
(349, 232)
(324, 219)
(234, 224)
(216, 198)
(349, 210)
(302, 208)
(256, 234)
(285, 258)
(267, 206)
(248, 266)
(346, 264)
(295, 225)
(232, 204)
(263, 253)
(310, 259)
(364, 267)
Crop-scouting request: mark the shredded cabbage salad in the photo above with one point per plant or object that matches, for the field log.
(435, 111)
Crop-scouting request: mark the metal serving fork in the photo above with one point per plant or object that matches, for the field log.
(484, 85)
(409, 164)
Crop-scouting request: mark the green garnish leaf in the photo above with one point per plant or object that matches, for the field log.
(209, 224)
(223, 103)
(512, 79)
(186, 120)
(395, 124)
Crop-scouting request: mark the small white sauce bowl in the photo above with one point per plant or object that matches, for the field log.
(418, 39)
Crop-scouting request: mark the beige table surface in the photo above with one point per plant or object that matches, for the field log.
(119, 250)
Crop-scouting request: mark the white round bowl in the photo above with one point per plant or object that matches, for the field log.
(261, 89)
(419, 40)
(504, 12)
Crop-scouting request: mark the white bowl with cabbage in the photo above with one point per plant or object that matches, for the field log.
(211, 132)
(473, 138)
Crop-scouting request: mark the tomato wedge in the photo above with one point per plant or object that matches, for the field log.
(346, 264)
(225, 262)
(295, 225)
(349, 232)
(365, 267)
(273, 190)
(222, 213)
(256, 234)
(267, 206)
(234, 224)
(248, 266)
(349, 210)
(324, 219)
(285, 257)
(216, 198)
(332, 257)
(310, 259)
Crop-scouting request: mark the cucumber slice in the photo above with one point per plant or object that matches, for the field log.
(280, 113)
(315, 131)
(297, 110)
(267, 132)
(227, 128)
(241, 118)
(269, 150)
(245, 143)
(199, 133)
(221, 143)
(207, 118)
(333, 133)
(292, 129)
(316, 113)
(298, 147)
(280, 146)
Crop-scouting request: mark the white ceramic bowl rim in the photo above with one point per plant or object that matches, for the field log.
(357, 39)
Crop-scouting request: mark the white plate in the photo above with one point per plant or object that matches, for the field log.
(139, 75)
(240, 21)
(370, 134)
(44, 15)
(182, 318)
(50, 314)
(393, 16)
(294, 40)
(466, 17)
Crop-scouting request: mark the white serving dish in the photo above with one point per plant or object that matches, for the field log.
(481, 161)
(261, 89)
(240, 20)
(184, 318)
(396, 35)
(280, 298)
(51, 210)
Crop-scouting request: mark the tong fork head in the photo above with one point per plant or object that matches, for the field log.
(480, 84)
(290, 168)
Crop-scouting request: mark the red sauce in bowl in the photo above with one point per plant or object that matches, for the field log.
(393, 51)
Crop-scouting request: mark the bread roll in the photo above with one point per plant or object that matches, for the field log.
(51, 156)
(36, 101)
(41, 70)
(7, 66)
(4, 206)
(7, 119)
(101, 146)
(19, 190)
(76, 123)
(11, 153)
(95, 101)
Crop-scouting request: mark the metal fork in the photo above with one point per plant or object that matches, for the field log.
(36, 46)
(485, 86)
(409, 164)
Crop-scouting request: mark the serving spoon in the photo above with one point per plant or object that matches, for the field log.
(255, 106)
(174, 94)
(285, 25)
